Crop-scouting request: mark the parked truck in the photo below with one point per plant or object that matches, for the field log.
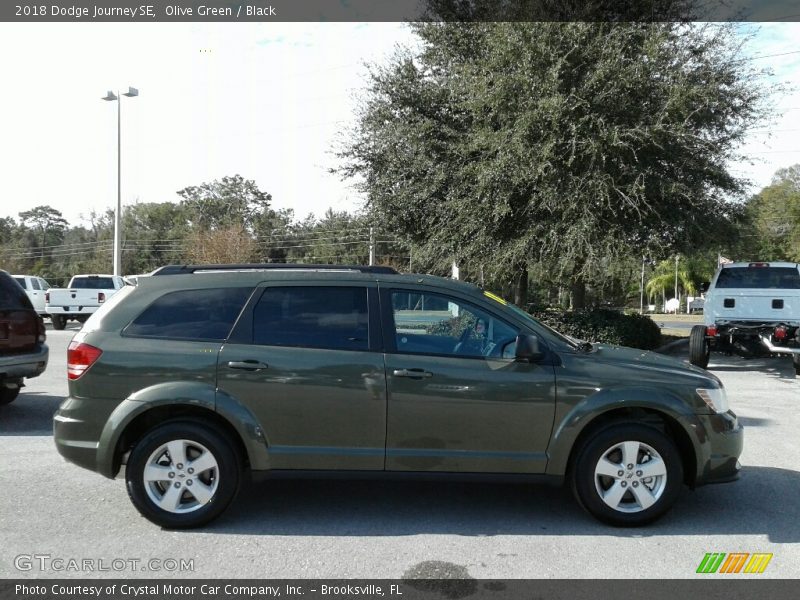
(751, 309)
(83, 296)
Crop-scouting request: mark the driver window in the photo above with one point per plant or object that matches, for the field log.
(436, 324)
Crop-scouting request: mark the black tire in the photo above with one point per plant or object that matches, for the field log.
(594, 491)
(699, 350)
(59, 321)
(796, 363)
(220, 484)
(8, 395)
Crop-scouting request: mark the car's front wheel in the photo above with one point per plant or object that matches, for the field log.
(182, 474)
(59, 321)
(628, 474)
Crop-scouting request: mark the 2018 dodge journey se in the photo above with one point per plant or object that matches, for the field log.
(200, 374)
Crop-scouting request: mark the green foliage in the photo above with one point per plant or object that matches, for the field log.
(772, 228)
(606, 326)
(564, 144)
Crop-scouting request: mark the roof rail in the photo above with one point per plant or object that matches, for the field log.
(188, 269)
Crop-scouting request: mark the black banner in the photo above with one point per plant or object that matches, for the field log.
(716, 588)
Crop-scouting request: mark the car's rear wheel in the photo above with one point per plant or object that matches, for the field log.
(699, 349)
(796, 363)
(627, 474)
(8, 395)
(182, 474)
(59, 321)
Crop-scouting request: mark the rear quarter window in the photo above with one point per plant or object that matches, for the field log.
(205, 314)
(786, 278)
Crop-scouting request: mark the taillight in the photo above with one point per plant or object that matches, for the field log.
(41, 332)
(80, 357)
(781, 333)
(101, 297)
(711, 330)
(47, 297)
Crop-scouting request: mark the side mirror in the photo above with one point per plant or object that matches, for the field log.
(704, 287)
(528, 349)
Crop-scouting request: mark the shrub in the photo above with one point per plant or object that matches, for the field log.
(606, 326)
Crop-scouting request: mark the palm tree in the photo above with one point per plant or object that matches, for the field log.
(663, 278)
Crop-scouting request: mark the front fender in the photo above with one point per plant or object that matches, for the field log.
(579, 417)
(195, 394)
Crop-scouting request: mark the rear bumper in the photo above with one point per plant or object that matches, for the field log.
(725, 438)
(71, 310)
(29, 364)
(77, 425)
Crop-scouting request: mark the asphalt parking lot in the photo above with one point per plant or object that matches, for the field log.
(350, 529)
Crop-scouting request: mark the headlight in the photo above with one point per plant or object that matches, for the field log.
(715, 398)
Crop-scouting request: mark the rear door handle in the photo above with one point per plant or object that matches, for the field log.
(247, 365)
(412, 373)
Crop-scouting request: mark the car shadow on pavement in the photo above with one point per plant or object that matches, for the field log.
(30, 414)
(752, 505)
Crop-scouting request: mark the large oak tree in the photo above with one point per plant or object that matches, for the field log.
(559, 144)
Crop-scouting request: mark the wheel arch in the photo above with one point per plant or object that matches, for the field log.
(167, 402)
(563, 458)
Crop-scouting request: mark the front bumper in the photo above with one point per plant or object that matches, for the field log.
(723, 444)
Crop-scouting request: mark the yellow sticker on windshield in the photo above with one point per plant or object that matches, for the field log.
(495, 298)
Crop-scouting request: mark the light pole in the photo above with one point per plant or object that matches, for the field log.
(112, 97)
(641, 290)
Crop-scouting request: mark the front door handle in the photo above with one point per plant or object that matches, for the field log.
(247, 365)
(412, 373)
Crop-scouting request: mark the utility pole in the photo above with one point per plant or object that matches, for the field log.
(641, 290)
(371, 246)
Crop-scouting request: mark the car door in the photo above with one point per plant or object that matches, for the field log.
(36, 295)
(306, 359)
(458, 401)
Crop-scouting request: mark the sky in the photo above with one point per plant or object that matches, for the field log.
(267, 101)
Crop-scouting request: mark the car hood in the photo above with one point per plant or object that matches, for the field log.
(650, 362)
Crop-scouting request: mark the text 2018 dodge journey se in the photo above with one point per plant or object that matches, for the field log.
(202, 373)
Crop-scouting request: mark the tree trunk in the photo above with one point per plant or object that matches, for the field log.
(578, 290)
(521, 287)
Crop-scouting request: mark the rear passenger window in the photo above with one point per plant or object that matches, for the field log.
(191, 314)
(35, 284)
(312, 317)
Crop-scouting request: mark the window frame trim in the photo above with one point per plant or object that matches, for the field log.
(390, 330)
(242, 332)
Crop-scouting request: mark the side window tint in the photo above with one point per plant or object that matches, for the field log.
(436, 324)
(22, 282)
(191, 314)
(35, 283)
(312, 317)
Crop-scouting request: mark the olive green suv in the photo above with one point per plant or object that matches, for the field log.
(200, 374)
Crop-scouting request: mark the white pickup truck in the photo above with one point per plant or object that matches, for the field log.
(83, 296)
(750, 309)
